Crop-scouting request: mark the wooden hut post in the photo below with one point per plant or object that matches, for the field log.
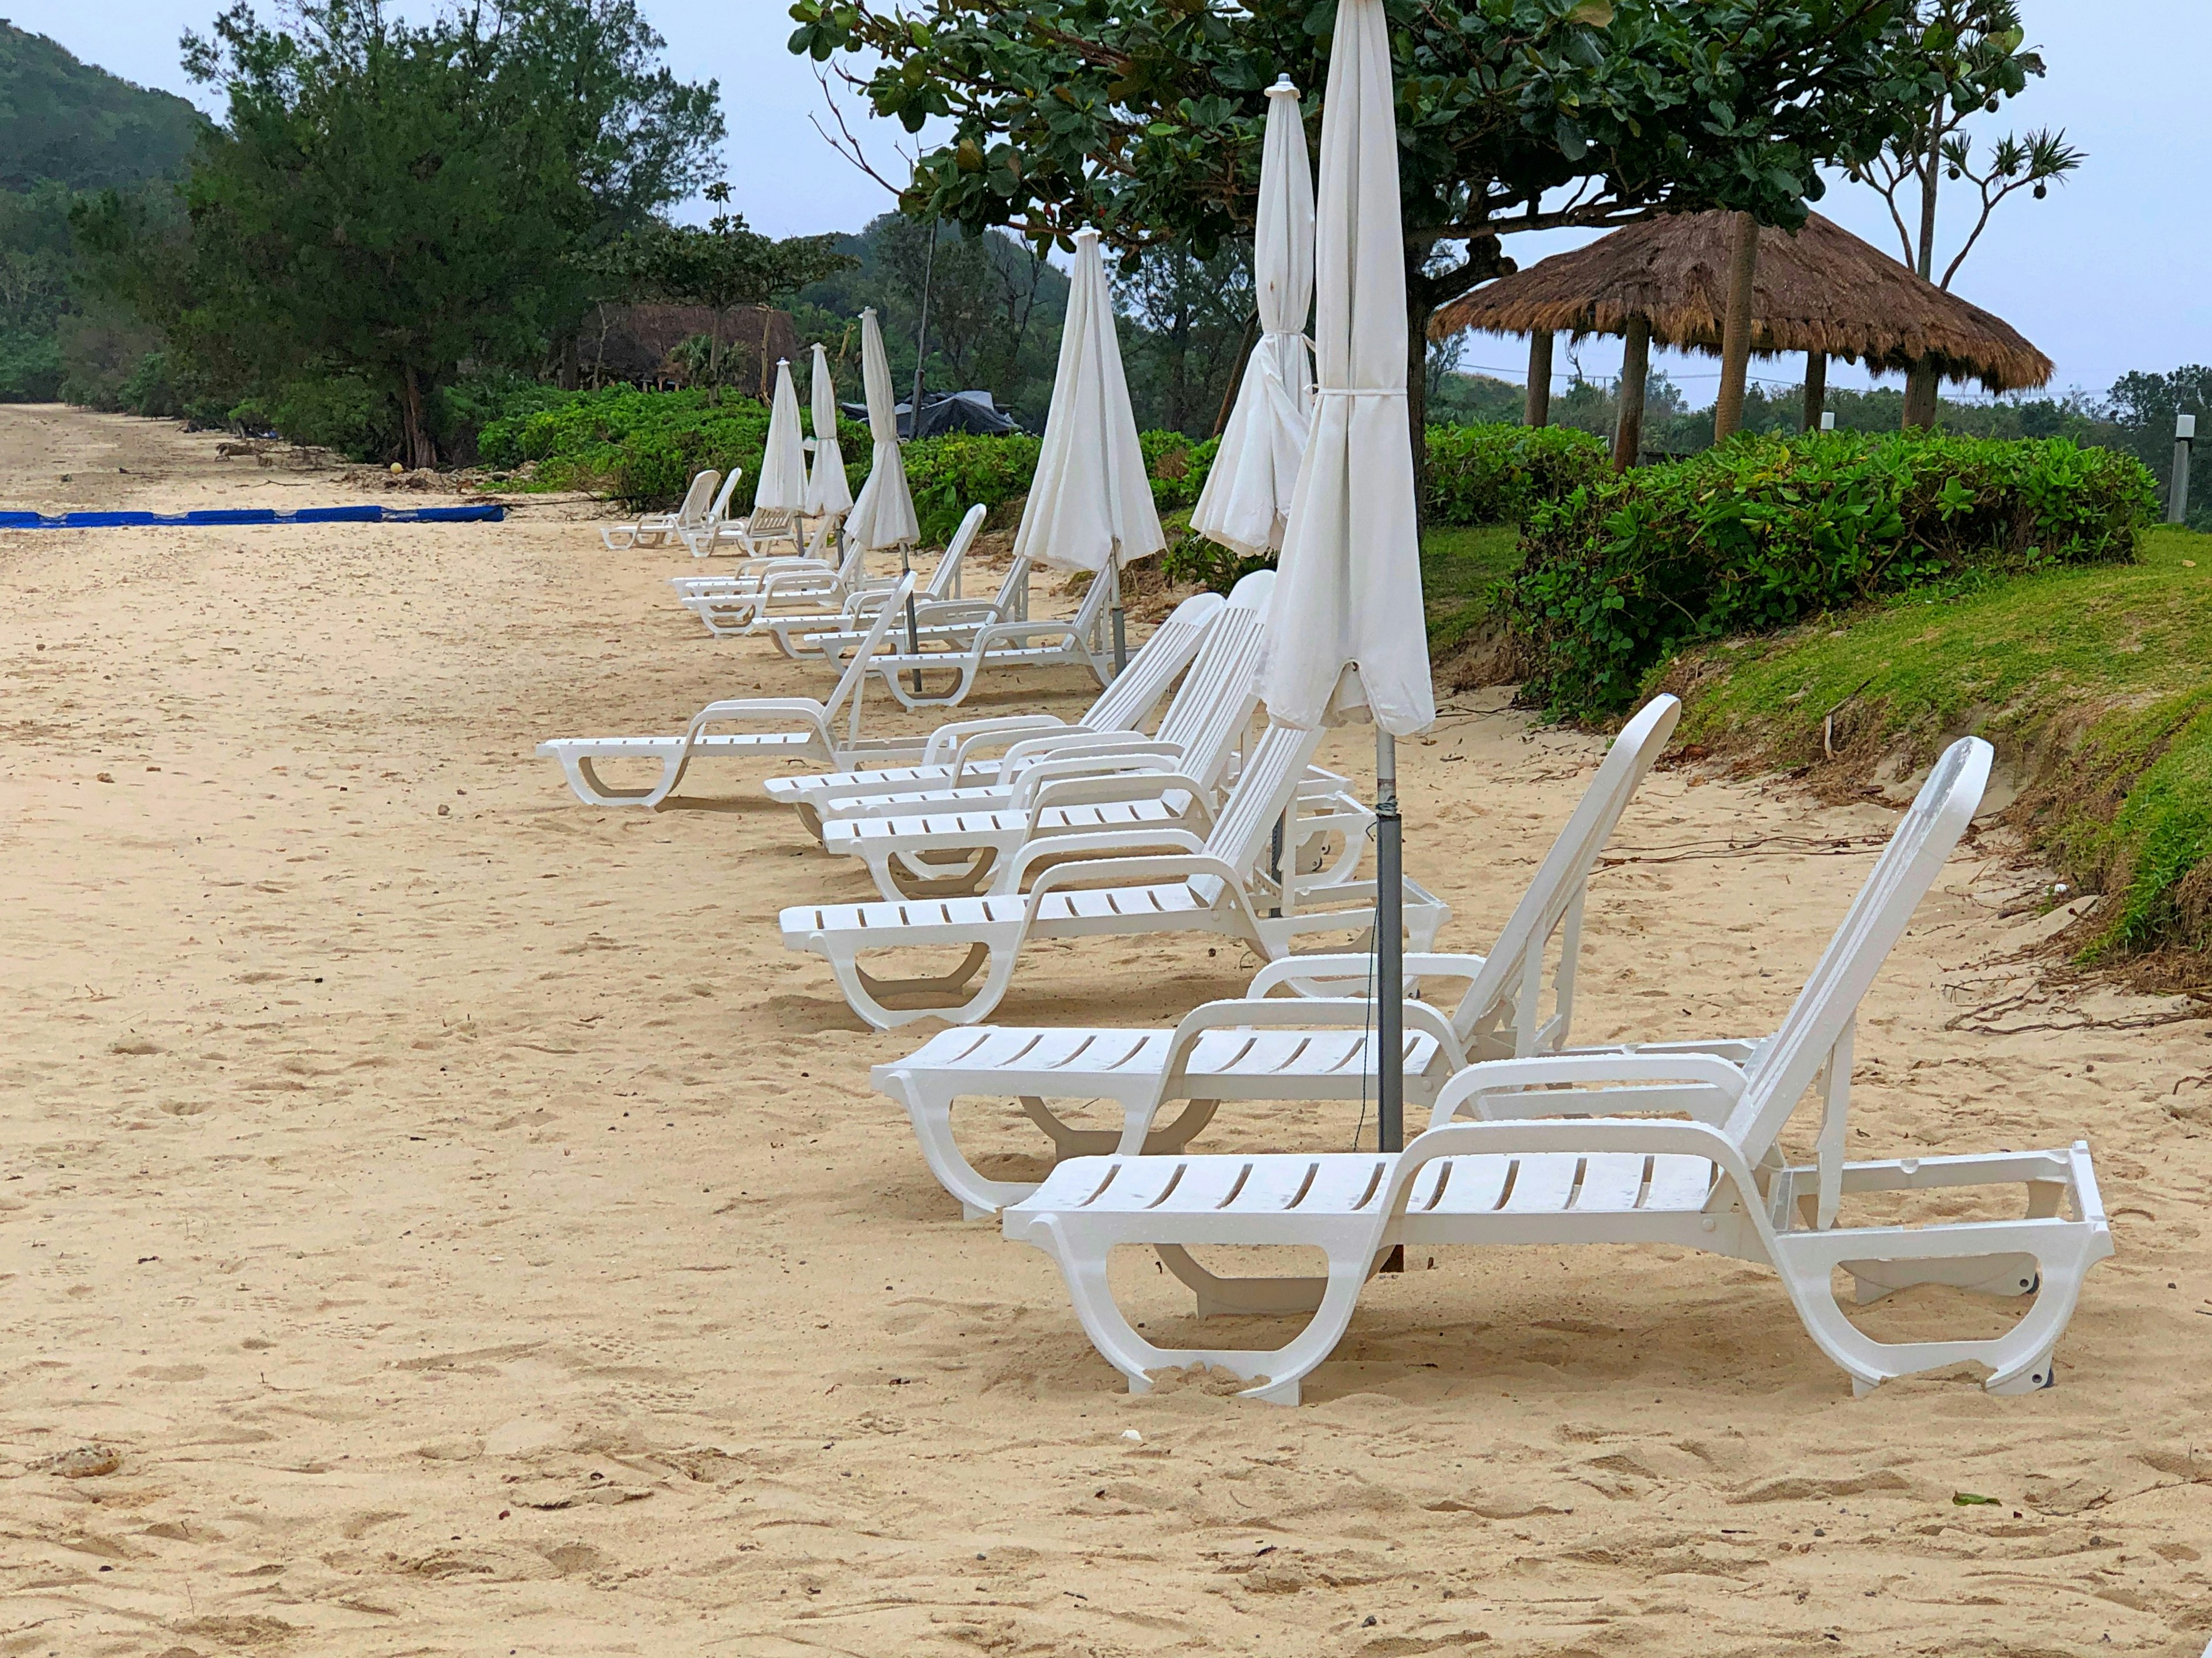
(1923, 388)
(1635, 370)
(1539, 411)
(1736, 334)
(1816, 388)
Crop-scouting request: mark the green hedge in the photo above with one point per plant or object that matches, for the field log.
(1500, 474)
(1768, 532)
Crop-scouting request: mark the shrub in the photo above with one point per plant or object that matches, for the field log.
(1766, 531)
(1499, 474)
(948, 475)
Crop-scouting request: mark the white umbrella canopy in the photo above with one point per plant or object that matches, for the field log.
(827, 491)
(1349, 593)
(1247, 498)
(1090, 504)
(883, 515)
(782, 481)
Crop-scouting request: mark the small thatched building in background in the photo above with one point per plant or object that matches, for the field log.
(1820, 290)
(636, 343)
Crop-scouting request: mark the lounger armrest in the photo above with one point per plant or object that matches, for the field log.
(955, 612)
(1130, 843)
(955, 741)
(1171, 866)
(796, 579)
(1085, 762)
(1356, 969)
(1077, 740)
(1001, 633)
(1525, 1137)
(761, 708)
(1702, 1084)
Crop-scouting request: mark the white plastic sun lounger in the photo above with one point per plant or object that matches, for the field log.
(1212, 886)
(1028, 643)
(935, 843)
(955, 752)
(1206, 717)
(658, 529)
(1258, 1050)
(754, 534)
(806, 732)
(1544, 1168)
(698, 534)
(949, 624)
(812, 593)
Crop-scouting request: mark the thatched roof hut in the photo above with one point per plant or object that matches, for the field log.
(1820, 290)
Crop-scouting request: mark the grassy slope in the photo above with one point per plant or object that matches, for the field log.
(1458, 569)
(2098, 680)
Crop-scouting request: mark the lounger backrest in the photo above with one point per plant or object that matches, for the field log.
(1122, 706)
(1824, 1009)
(1215, 702)
(695, 499)
(942, 580)
(721, 509)
(1263, 791)
(1510, 984)
(850, 682)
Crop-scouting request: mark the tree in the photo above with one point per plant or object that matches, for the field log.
(721, 266)
(1965, 56)
(1196, 316)
(2141, 410)
(1145, 119)
(390, 201)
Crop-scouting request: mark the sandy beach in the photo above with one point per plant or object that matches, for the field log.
(439, 1217)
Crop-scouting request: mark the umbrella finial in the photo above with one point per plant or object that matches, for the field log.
(1283, 88)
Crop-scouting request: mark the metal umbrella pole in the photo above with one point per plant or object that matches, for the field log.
(1389, 961)
(913, 633)
(1120, 634)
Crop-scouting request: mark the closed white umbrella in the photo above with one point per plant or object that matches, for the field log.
(1348, 597)
(1247, 498)
(1090, 505)
(782, 481)
(827, 491)
(883, 515)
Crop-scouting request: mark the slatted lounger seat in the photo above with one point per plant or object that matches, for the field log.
(1553, 1160)
(1214, 888)
(1257, 1048)
(806, 731)
(1199, 635)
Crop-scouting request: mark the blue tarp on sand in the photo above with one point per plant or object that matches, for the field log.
(487, 514)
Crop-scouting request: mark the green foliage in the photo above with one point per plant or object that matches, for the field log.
(2123, 806)
(66, 122)
(1461, 570)
(1765, 532)
(2142, 412)
(386, 201)
(948, 475)
(1499, 474)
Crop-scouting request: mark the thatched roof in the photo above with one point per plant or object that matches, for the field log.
(1820, 289)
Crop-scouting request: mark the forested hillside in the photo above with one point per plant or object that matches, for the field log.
(65, 128)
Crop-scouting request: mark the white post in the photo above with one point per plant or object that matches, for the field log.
(1827, 420)
(2185, 446)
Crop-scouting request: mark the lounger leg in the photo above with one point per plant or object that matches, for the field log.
(965, 875)
(1069, 1141)
(1081, 1262)
(1219, 1296)
(584, 778)
(980, 1196)
(2019, 1361)
(866, 993)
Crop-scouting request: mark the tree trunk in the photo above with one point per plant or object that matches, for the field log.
(1635, 370)
(1922, 386)
(416, 449)
(1539, 409)
(1417, 312)
(1237, 373)
(1816, 388)
(568, 364)
(1735, 337)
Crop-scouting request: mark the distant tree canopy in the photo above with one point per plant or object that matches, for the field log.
(1145, 119)
(388, 201)
(65, 122)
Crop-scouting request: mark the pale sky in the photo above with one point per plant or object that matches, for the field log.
(2105, 276)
